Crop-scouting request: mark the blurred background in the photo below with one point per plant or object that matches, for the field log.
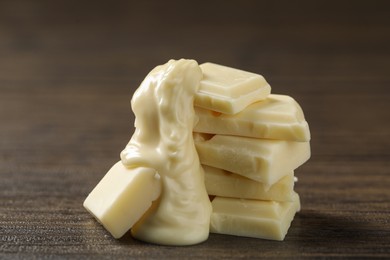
(69, 68)
(281, 39)
(306, 49)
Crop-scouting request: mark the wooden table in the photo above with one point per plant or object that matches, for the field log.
(69, 69)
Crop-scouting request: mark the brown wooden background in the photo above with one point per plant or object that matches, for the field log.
(68, 70)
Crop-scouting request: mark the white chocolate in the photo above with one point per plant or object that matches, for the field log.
(222, 183)
(163, 106)
(253, 218)
(262, 160)
(158, 189)
(228, 90)
(122, 197)
(276, 117)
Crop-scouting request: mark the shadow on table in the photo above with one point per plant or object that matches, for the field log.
(334, 230)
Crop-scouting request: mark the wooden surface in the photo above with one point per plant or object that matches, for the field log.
(68, 70)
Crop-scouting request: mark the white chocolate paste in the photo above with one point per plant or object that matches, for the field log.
(165, 117)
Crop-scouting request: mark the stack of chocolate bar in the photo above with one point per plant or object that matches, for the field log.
(249, 142)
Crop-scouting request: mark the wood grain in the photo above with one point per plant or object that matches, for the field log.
(68, 70)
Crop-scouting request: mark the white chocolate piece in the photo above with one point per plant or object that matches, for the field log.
(228, 90)
(222, 183)
(277, 117)
(253, 218)
(262, 160)
(165, 117)
(122, 197)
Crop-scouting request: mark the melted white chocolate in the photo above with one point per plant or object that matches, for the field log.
(165, 117)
